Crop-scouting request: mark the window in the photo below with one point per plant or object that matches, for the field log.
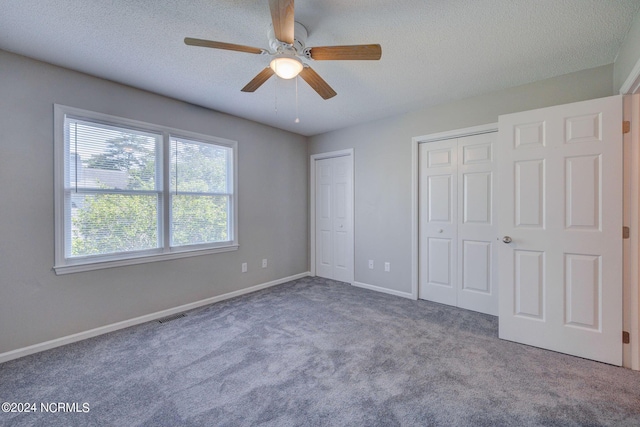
(200, 192)
(129, 192)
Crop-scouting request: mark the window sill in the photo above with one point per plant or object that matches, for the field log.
(98, 265)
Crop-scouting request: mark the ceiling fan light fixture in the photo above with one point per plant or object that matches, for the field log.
(286, 67)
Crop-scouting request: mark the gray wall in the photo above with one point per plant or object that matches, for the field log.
(628, 55)
(382, 152)
(35, 304)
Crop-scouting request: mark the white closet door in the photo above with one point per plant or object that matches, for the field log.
(334, 210)
(324, 218)
(342, 232)
(477, 228)
(457, 223)
(438, 221)
(561, 263)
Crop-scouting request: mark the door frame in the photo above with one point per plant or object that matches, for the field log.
(349, 152)
(631, 248)
(631, 252)
(415, 190)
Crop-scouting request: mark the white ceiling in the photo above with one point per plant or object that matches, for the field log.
(432, 51)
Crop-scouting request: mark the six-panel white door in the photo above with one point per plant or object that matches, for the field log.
(438, 222)
(334, 205)
(561, 214)
(457, 223)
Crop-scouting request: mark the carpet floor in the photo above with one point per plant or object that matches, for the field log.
(315, 352)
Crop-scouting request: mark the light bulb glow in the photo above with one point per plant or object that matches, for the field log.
(286, 67)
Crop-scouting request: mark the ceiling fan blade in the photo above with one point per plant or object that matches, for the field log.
(220, 45)
(258, 80)
(282, 15)
(317, 83)
(355, 52)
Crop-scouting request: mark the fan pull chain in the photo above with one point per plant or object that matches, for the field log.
(275, 86)
(297, 120)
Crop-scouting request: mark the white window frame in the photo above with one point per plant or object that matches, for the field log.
(64, 265)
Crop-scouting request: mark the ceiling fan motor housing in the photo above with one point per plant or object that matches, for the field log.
(299, 40)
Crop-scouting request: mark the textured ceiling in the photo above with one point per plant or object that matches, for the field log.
(432, 51)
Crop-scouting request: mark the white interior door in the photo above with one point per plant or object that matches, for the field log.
(561, 187)
(334, 212)
(457, 223)
(438, 221)
(477, 228)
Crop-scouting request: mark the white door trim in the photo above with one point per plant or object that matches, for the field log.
(415, 141)
(312, 206)
(632, 83)
(631, 248)
(631, 112)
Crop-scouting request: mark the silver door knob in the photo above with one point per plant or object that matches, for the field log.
(506, 239)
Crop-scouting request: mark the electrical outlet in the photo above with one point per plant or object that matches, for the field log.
(387, 266)
(371, 264)
(264, 263)
(244, 267)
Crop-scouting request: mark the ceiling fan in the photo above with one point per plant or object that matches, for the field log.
(287, 40)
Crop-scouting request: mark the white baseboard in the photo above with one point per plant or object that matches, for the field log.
(25, 351)
(384, 290)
